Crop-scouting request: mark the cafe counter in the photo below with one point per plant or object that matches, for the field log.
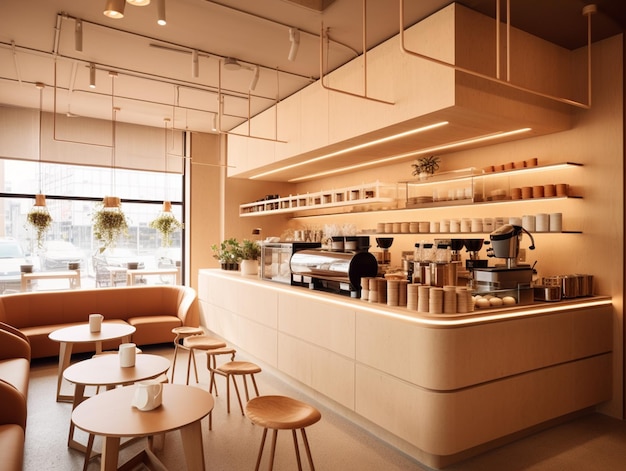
(438, 387)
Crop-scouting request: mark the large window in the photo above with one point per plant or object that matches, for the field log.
(72, 194)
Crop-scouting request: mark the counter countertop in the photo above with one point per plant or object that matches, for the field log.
(478, 316)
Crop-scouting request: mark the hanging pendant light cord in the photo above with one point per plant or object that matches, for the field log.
(40, 86)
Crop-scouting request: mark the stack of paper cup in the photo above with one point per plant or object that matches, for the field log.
(402, 292)
(462, 299)
(411, 296)
(449, 299)
(365, 287)
(381, 287)
(373, 290)
(392, 292)
(435, 300)
(423, 297)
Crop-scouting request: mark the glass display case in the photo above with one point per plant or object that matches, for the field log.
(275, 257)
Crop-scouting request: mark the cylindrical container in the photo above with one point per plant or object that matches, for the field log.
(462, 299)
(402, 292)
(412, 296)
(404, 227)
(556, 222)
(444, 226)
(337, 243)
(424, 226)
(389, 227)
(542, 222)
(466, 225)
(95, 322)
(455, 225)
(380, 228)
(516, 193)
(350, 243)
(549, 191)
(515, 221)
(449, 299)
(434, 227)
(488, 225)
(499, 221)
(477, 225)
(365, 287)
(527, 192)
(538, 191)
(532, 162)
(127, 352)
(382, 290)
(396, 227)
(423, 297)
(529, 222)
(435, 300)
(373, 290)
(414, 227)
(562, 189)
(392, 292)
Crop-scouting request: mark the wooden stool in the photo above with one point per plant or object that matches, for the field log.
(199, 342)
(181, 333)
(231, 370)
(211, 364)
(282, 413)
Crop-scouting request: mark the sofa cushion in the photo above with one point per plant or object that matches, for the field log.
(154, 329)
(16, 373)
(11, 447)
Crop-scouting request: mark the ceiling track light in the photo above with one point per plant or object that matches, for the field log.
(294, 39)
(255, 78)
(194, 63)
(138, 3)
(161, 21)
(78, 35)
(114, 9)
(92, 75)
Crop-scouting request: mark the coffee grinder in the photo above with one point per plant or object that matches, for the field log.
(385, 259)
(505, 242)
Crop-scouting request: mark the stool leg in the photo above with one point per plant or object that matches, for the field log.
(258, 460)
(237, 391)
(174, 361)
(256, 389)
(295, 444)
(195, 368)
(88, 450)
(273, 452)
(189, 365)
(308, 450)
(245, 385)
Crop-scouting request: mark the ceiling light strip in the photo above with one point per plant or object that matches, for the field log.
(428, 150)
(353, 148)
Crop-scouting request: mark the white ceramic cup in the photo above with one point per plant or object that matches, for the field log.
(127, 353)
(95, 322)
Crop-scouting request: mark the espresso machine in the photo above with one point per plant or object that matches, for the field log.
(510, 275)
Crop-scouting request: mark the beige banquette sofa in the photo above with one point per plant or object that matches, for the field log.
(14, 376)
(153, 310)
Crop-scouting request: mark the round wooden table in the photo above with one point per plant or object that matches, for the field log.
(111, 415)
(68, 336)
(105, 370)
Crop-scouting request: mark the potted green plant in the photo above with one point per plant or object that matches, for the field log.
(166, 224)
(39, 218)
(228, 253)
(109, 222)
(425, 167)
(250, 253)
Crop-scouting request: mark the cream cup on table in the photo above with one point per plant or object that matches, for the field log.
(95, 322)
(127, 353)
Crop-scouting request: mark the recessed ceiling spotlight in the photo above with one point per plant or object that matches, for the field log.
(139, 3)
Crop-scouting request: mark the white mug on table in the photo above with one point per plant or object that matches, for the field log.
(95, 322)
(127, 353)
(148, 395)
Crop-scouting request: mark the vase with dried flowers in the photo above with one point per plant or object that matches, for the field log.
(425, 167)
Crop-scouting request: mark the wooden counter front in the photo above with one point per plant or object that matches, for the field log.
(438, 387)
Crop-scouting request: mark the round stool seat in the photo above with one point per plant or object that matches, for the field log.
(187, 330)
(281, 413)
(239, 368)
(203, 342)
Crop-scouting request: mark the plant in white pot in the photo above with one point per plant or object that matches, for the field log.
(250, 253)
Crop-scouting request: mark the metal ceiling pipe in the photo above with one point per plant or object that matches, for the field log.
(586, 11)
